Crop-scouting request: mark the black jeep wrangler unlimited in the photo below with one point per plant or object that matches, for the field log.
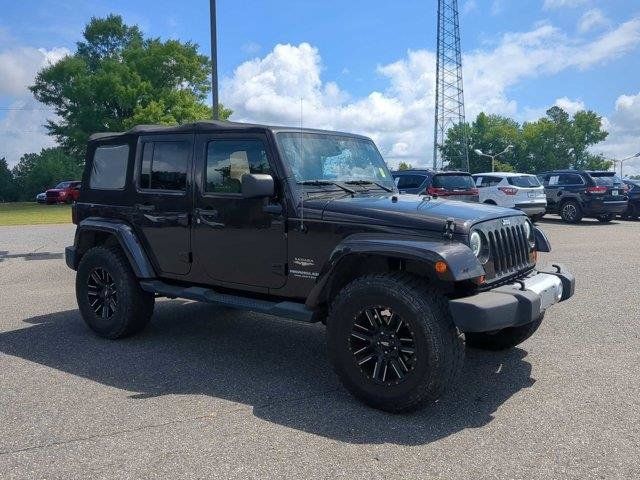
(307, 225)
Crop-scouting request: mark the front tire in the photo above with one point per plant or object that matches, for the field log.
(504, 339)
(109, 295)
(392, 342)
(571, 212)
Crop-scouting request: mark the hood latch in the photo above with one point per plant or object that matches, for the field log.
(449, 229)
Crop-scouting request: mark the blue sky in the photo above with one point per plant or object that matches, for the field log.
(359, 65)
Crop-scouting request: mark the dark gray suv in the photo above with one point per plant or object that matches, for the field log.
(575, 194)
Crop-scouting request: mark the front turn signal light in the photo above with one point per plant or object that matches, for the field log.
(441, 267)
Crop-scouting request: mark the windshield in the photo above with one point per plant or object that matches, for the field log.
(454, 182)
(525, 181)
(63, 185)
(335, 158)
(606, 179)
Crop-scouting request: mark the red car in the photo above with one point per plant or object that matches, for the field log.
(64, 192)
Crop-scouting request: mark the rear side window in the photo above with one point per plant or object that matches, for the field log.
(525, 181)
(410, 181)
(570, 179)
(164, 166)
(457, 182)
(109, 169)
(229, 160)
(488, 181)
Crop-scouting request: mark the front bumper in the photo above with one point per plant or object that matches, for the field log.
(513, 305)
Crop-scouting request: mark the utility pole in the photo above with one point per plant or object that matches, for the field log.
(214, 61)
(449, 86)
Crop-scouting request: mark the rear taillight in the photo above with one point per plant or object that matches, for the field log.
(597, 190)
(436, 191)
(508, 190)
(474, 191)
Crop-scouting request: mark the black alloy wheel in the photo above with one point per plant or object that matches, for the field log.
(383, 346)
(570, 212)
(102, 293)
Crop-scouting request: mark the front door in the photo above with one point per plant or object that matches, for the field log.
(164, 201)
(237, 240)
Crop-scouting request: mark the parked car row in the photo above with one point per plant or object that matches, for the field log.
(64, 192)
(572, 194)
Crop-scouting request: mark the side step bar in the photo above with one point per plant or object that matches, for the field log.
(291, 310)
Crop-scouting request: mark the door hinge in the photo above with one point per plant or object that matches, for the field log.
(185, 257)
(279, 269)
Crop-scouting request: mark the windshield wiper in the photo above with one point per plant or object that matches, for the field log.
(320, 183)
(369, 182)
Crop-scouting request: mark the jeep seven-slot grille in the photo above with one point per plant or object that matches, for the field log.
(509, 249)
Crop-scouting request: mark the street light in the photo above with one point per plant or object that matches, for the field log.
(493, 157)
(621, 162)
(214, 60)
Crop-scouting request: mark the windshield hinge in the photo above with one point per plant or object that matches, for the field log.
(449, 229)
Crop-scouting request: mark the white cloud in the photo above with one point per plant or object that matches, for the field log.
(469, 6)
(624, 132)
(553, 4)
(18, 67)
(570, 106)
(21, 128)
(591, 20)
(400, 117)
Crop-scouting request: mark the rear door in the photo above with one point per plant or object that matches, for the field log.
(164, 200)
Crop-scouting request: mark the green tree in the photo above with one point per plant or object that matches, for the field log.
(553, 142)
(8, 190)
(491, 134)
(118, 78)
(405, 166)
(36, 172)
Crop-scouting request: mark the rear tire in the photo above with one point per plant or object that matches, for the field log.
(571, 212)
(109, 295)
(416, 365)
(605, 218)
(537, 218)
(504, 339)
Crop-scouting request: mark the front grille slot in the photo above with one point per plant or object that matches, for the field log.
(509, 249)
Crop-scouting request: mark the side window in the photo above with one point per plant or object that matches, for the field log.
(164, 166)
(229, 160)
(552, 181)
(410, 181)
(478, 181)
(109, 169)
(491, 181)
(570, 179)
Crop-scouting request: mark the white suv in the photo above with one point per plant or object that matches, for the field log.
(513, 190)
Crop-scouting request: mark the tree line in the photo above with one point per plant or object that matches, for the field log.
(556, 141)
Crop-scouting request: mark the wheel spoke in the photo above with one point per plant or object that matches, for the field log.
(378, 367)
(397, 368)
(96, 278)
(105, 311)
(372, 319)
(361, 336)
(366, 359)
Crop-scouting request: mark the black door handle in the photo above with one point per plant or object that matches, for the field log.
(147, 207)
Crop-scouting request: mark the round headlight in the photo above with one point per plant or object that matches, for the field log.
(528, 230)
(475, 242)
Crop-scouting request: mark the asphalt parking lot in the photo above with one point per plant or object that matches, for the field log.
(207, 392)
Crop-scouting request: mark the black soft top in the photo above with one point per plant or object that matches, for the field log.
(209, 126)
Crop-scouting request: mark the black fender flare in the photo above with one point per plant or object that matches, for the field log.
(127, 239)
(542, 242)
(461, 262)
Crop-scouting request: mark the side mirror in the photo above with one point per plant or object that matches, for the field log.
(257, 186)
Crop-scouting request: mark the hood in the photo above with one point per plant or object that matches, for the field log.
(411, 211)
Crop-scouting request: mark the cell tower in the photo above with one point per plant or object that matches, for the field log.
(449, 86)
